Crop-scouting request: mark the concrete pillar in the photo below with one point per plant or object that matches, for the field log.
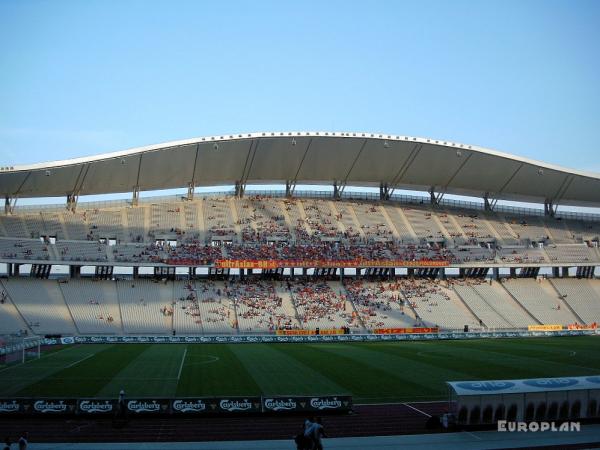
(496, 273)
(513, 272)
(565, 272)
(16, 269)
(136, 272)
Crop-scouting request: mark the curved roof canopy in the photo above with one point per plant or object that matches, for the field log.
(353, 159)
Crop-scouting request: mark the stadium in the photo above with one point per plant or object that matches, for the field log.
(414, 273)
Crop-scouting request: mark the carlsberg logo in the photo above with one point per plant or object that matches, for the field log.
(280, 404)
(92, 407)
(137, 406)
(235, 405)
(183, 406)
(44, 406)
(9, 407)
(324, 403)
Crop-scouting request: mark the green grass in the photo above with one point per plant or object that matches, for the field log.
(370, 372)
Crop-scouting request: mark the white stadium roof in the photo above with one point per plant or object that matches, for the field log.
(352, 159)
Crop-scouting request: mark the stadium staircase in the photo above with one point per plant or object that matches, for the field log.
(287, 303)
(521, 305)
(344, 292)
(68, 308)
(441, 226)
(388, 221)
(469, 308)
(563, 299)
(498, 291)
(403, 222)
(9, 304)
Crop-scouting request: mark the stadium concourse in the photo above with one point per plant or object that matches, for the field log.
(300, 262)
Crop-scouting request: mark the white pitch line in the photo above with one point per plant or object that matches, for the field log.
(41, 357)
(417, 410)
(473, 435)
(77, 362)
(181, 365)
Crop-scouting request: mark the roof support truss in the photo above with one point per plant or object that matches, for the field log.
(73, 197)
(549, 208)
(290, 185)
(411, 158)
(240, 188)
(338, 189)
(489, 204)
(384, 191)
(192, 184)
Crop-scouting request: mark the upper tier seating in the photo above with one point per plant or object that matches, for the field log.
(255, 221)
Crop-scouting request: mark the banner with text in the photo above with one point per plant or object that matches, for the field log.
(326, 331)
(405, 330)
(322, 263)
(339, 403)
(545, 327)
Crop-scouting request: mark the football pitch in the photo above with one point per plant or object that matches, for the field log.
(371, 372)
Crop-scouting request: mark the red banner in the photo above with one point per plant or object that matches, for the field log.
(321, 263)
(405, 330)
(576, 326)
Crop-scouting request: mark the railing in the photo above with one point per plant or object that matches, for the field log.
(346, 195)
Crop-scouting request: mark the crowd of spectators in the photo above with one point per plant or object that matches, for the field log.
(318, 305)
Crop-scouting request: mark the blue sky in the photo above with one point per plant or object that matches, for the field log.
(83, 77)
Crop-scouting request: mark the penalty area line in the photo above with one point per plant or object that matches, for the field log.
(417, 410)
(181, 365)
(81, 360)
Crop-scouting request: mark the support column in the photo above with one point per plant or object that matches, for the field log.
(336, 191)
(496, 273)
(289, 189)
(565, 272)
(384, 191)
(486, 202)
(16, 269)
(136, 196)
(136, 272)
(9, 269)
(75, 271)
(513, 272)
(556, 272)
(410, 272)
(549, 209)
(8, 209)
(239, 189)
(190, 191)
(72, 201)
